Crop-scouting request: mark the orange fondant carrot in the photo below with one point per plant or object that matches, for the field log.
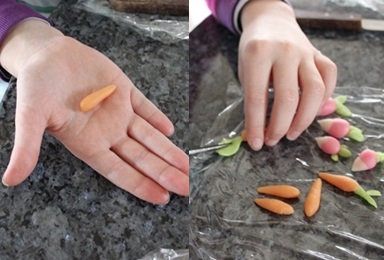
(275, 206)
(93, 99)
(244, 135)
(283, 191)
(312, 202)
(342, 182)
(347, 184)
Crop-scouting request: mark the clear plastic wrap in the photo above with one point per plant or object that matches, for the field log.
(226, 222)
(167, 254)
(368, 8)
(166, 29)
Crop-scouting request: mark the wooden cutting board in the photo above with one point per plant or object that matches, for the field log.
(171, 7)
(337, 21)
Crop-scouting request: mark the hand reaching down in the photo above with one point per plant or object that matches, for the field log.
(273, 49)
(123, 138)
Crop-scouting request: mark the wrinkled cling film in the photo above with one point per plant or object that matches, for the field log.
(226, 222)
(167, 254)
(367, 8)
(165, 29)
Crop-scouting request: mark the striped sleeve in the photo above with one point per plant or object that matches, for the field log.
(227, 12)
(44, 7)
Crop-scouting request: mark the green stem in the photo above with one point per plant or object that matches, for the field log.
(373, 193)
(362, 193)
(379, 156)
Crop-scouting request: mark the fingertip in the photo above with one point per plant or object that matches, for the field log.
(169, 130)
(293, 135)
(4, 182)
(271, 142)
(165, 198)
(11, 179)
(256, 144)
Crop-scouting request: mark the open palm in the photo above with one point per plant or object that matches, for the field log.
(123, 138)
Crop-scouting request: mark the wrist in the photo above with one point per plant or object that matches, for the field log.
(24, 40)
(256, 9)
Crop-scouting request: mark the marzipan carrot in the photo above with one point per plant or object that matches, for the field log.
(347, 184)
(312, 202)
(282, 191)
(275, 206)
(244, 135)
(342, 182)
(93, 99)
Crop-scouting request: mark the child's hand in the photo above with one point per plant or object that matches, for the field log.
(123, 138)
(274, 49)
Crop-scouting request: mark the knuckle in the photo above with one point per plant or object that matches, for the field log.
(147, 133)
(138, 187)
(332, 67)
(317, 87)
(163, 174)
(255, 97)
(114, 171)
(257, 46)
(288, 99)
(139, 155)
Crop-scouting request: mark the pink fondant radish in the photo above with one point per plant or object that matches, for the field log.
(367, 160)
(328, 107)
(328, 144)
(336, 127)
(339, 128)
(332, 146)
(335, 105)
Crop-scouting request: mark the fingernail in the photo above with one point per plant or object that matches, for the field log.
(256, 144)
(291, 136)
(271, 142)
(168, 198)
(4, 183)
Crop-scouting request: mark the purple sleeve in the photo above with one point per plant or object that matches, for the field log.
(11, 13)
(223, 10)
(227, 12)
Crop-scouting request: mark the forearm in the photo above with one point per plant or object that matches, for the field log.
(256, 10)
(228, 12)
(24, 40)
(20, 36)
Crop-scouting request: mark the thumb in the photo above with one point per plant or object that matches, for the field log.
(28, 137)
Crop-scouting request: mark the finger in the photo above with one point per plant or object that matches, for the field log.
(28, 137)
(255, 80)
(328, 72)
(159, 144)
(149, 112)
(117, 171)
(152, 166)
(286, 99)
(312, 92)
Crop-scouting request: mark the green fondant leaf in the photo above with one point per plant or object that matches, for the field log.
(232, 148)
(379, 156)
(362, 193)
(341, 99)
(344, 151)
(356, 134)
(335, 157)
(342, 110)
(373, 193)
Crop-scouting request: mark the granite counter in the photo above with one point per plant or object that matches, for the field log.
(65, 210)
